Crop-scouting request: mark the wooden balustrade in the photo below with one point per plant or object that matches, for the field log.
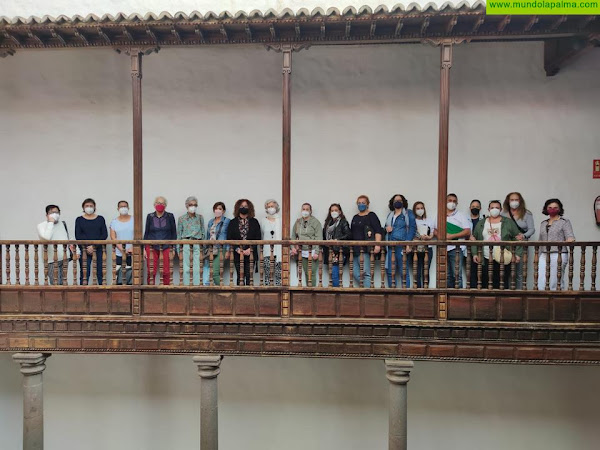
(570, 267)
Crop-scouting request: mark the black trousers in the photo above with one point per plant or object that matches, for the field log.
(495, 275)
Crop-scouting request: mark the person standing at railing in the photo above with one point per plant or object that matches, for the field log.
(514, 208)
(426, 231)
(495, 228)
(554, 229)
(365, 227)
(90, 227)
(121, 229)
(216, 231)
(271, 231)
(308, 228)
(53, 229)
(244, 227)
(160, 225)
(458, 226)
(400, 225)
(336, 228)
(190, 226)
(475, 217)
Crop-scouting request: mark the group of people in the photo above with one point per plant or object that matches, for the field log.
(506, 221)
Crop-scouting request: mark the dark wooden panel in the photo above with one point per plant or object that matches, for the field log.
(398, 306)
(459, 307)
(9, 302)
(177, 303)
(485, 308)
(325, 304)
(75, 302)
(349, 305)
(374, 305)
(302, 304)
(424, 306)
(98, 302)
(538, 309)
(564, 309)
(511, 308)
(120, 302)
(31, 302)
(269, 304)
(470, 351)
(199, 303)
(222, 304)
(590, 310)
(152, 302)
(53, 302)
(245, 304)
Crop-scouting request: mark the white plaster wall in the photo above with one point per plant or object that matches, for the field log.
(65, 123)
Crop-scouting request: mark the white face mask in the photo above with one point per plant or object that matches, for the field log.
(335, 215)
(451, 206)
(271, 211)
(218, 212)
(192, 209)
(124, 211)
(495, 212)
(420, 212)
(305, 213)
(514, 204)
(89, 210)
(55, 217)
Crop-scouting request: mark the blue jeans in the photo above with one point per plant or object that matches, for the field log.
(335, 275)
(87, 260)
(420, 275)
(367, 270)
(186, 264)
(399, 266)
(451, 258)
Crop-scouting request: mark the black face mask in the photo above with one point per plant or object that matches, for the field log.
(243, 210)
(475, 211)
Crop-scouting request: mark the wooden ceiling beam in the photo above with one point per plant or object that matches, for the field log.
(557, 23)
(103, 36)
(424, 26)
(477, 24)
(151, 35)
(248, 32)
(224, 32)
(11, 38)
(503, 24)
(57, 36)
(199, 34)
(81, 37)
(34, 36)
(399, 26)
(557, 52)
(451, 24)
(348, 28)
(176, 35)
(530, 23)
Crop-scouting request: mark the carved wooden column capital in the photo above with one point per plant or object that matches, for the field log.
(31, 363)
(398, 371)
(209, 366)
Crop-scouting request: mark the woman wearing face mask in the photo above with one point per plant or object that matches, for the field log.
(400, 226)
(216, 231)
(190, 226)
(244, 227)
(365, 227)
(426, 231)
(160, 225)
(121, 229)
(271, 231)
(475, 210)
(557, 229)
(90, 227)
(308, 228)
(495, 228)
(336, 228)
(514, 208)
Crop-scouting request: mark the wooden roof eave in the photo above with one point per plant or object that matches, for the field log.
(319, 27)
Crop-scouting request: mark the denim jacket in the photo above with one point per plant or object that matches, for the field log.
(400, 232)
(221, 231)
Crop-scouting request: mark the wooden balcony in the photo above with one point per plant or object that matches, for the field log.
(431, 322)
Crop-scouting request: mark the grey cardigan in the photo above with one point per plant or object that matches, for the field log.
(525, 223)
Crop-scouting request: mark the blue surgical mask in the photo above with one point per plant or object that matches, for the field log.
(398, 205)
(362, 207)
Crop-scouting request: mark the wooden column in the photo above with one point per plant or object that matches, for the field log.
(398, 374)
(209, 367)
(32, 368)
(442, 264)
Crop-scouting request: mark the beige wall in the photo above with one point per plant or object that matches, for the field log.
(212, 128)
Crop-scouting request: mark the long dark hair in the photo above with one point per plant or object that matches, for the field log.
(329, 219)
(521, 210)
(391, 202)
(236, 208)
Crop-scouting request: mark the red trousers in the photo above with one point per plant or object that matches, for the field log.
(154, 264)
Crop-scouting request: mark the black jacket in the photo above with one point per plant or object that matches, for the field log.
(341, 233)
(254, 234)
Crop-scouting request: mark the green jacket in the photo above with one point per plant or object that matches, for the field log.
(311, 232)
(508, 232)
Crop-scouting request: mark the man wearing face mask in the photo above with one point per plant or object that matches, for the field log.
(190, 226)
(458, 226)
(53, 229)
(495, 228)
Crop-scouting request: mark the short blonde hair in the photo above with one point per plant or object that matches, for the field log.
(277, 208)
(163, 199)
